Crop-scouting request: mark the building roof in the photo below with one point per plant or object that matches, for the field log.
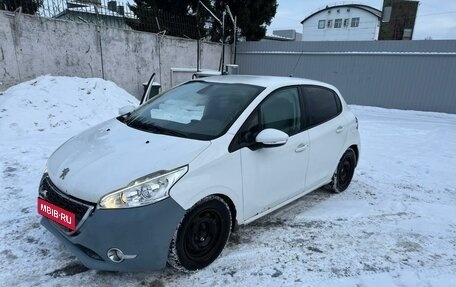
(91, 9)
(277, 38)
(366, 8)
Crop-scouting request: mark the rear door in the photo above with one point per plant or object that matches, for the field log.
(327, 133)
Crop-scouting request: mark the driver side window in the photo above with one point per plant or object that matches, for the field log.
(281, 110)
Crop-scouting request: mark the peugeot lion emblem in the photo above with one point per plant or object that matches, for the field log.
(64, 173)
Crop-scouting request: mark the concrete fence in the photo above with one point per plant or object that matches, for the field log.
(417, 75)
(31, 46)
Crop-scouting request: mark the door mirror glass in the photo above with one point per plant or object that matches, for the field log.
(271, 138)
(126, 109)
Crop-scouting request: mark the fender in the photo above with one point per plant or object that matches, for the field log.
(207, 176)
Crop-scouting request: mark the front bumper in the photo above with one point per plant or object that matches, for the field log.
(142, 231)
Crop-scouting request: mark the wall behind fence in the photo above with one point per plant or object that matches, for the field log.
(31, 46)
(416, 75)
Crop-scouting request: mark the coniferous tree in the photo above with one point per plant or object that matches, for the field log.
(176, 18)
(253, 16)
(27, 6)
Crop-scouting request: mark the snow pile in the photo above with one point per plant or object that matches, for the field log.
(54, 104)
(394, 226)
(35, 118)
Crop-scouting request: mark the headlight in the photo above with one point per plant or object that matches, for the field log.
(143, 191)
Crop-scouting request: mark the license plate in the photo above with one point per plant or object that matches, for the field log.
(57, 214)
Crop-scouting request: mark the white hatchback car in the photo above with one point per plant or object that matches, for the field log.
(168, 181)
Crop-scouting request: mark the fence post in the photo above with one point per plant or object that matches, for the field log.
(15, 35)
(100, 43)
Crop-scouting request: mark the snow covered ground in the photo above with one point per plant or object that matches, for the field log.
(394, 226)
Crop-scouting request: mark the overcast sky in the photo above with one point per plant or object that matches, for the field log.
(436, 18)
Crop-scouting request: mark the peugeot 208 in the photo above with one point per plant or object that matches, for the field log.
(165, 183)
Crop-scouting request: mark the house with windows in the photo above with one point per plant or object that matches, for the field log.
(349, 22)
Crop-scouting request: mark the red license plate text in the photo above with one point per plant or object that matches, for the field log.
(57, 214)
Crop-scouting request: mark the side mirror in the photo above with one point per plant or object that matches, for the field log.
(126, 109)
(272, 137)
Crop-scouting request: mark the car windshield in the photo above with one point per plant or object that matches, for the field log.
(197, 110)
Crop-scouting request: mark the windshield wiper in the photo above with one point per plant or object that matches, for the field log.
(148, 127)
(166, 131)
(124, 118)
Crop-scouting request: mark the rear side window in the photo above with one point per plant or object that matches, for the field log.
(321, 104)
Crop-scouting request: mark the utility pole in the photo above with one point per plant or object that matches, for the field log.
(223, 43)
(222, 23)
(234, 20)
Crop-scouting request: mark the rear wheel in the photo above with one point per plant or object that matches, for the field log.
(344, 173)
(201, 235)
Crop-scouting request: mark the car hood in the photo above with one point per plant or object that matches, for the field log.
(110, 155)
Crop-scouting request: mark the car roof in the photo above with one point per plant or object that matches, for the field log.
(263, 81)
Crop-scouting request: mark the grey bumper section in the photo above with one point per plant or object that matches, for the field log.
(143, 231)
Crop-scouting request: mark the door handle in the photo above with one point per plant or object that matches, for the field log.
(301, 147)
(339, 129)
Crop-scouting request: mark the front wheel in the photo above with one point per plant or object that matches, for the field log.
(344, 172)
(201, 235)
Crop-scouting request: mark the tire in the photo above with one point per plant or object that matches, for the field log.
(201, 235)
(344, 172)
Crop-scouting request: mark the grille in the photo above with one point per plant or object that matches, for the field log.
(55, 196)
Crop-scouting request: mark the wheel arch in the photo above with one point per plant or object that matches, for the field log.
(355, 148)
(231, 198)
(184, 253)
(232, 209)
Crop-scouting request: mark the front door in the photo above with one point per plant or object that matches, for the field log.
(271, 175)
